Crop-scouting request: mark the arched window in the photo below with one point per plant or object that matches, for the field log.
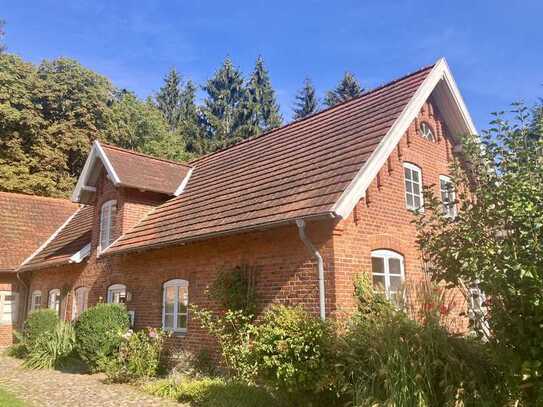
(175, 305)
(413, 187)
(80, 302)
(54, 300)
(116, 294)
(387, 272)
(35, 300)
(426, 132)
(108, 215)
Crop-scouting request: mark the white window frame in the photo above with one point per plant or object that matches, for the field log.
(449, 208)
(85, 293)
(116, 289)
(418, 170)
(177, 283)
(13, 305)
(34, 304)
(106, 234)
(386, 254)
(54, 305)
(426, 132)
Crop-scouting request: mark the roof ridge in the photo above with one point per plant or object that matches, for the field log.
(133, 152)
(38, 197)
(267, 133)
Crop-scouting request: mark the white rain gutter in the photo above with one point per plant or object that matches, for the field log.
(320, 265)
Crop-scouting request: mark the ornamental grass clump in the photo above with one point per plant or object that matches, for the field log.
(384, 358)
(52, 348)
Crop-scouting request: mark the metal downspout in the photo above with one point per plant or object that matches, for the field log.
(320, 265)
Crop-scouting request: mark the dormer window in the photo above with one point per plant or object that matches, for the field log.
(108, 216)
(426, 132)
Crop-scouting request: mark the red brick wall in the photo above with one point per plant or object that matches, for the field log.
(381, 220)
(8, 282)
(286, 274)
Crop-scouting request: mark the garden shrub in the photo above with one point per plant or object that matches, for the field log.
(291, 350)
(18, 349)
(38, 323)
(233, 331)
(234, 288)
(52, 348)
(138, 356)
(385, 358)
(99, 332)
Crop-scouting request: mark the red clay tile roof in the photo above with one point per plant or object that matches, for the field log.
(26, 222)
(71, 238)
(297, 171)
(142, 171)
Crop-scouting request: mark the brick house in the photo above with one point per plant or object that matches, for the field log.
(310, 205)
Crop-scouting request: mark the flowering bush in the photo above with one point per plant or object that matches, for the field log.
(138, 356)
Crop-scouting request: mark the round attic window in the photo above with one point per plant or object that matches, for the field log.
(426, 132)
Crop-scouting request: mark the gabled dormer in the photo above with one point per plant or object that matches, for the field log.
(123, 186)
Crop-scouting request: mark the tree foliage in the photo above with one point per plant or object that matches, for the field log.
(223, 108)
(262, 106)
(306, 101)
(2, 35)
(347, 88)
(51, 113)
(496, 240)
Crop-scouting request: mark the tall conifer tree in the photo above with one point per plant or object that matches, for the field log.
(2, 34)
(168, 99)
(262, 106)
(306, 101)
(347, 88)
(223, 107)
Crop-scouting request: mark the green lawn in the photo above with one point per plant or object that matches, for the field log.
(8, 399)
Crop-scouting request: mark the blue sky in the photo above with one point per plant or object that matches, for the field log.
(495, 48)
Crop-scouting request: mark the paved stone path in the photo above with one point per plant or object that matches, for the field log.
(53, 388)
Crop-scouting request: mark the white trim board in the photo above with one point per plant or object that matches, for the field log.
(184, 183)
(438, 76)
(97, 152)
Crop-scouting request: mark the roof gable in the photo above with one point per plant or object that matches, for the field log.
(439, 84)
(129, 169)
(26, 222)
(70, 243)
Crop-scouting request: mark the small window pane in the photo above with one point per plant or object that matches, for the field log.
(377, 265)
(379, 283)
(395, 266)
(170, 295)
(416, 202)
(181, 321)
(395, 283)
(410, 201)
(168, 320)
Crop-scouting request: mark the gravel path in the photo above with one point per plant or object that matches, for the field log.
(53, 388)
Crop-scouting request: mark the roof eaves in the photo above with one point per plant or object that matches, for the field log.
(267, 225)
(22, 266)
